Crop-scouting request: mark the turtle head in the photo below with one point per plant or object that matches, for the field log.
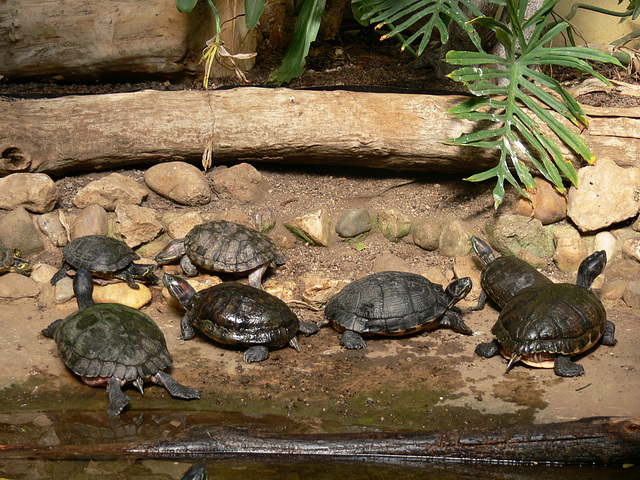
(178, 288)
(83, 288)
(22, 267)
(174, 250)
(458, 289)
(483, 250)
(590, 268)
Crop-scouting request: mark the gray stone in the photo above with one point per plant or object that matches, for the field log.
(35, 192)
(455, 239)
(390, 262)
(17, 230)
(136, 224)
(14, 286)
(111, 191)
(606, 194)
(354, 223)
(312, 229)
(241, 182)
(394, 225)
(545, 203)
(63, 291)
(91, 220)
(52, 228)
(570, 249)
(512, 233)
(180, 182)
(427, 234)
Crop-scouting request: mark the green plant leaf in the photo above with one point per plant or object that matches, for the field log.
(304, 33)
(253, 11)
(185, 6)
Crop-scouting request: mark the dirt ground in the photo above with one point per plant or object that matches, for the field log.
(428, 381)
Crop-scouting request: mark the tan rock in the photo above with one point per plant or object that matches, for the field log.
(136, 224)
(121, 292)
(111, 191)
(545, 203)
(180, 182)
(36, 192)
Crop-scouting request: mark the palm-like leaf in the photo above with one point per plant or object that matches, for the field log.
(522, 99)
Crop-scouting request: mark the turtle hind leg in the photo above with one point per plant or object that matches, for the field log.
(482, 301)
(454, 321)
(175, 388)
(255, 277)
(117, 398)
(255, 353)
(609, 334)
(51, 329)
(309, 328)
(564, 367)
(489, 349)
(352, 340)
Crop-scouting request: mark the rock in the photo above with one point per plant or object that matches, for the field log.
(613, 290)
(455, 240)
(631, 248)
(241, 182)
(63, 291)
(180, 182)
(237, 216)
(52, 228)
(312, 229)
(623, 269)
(182, 225)
(42, 273)
(394, 225)
(354, 223)
(111, 191)
(631, 294)
(265, 220)
(606, 241)
(512, 233)
(570, 249)
(545, 203)
(285, 291)
(427, 234)
(390, 262)
(17, 231)
(92, 220)
(606, 194)
(14, 286)
(122, 293)
(36, 192)
(136, 224)
(318, 290)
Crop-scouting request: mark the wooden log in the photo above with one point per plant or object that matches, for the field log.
(385, 130)
(81, 39)
(601, 441)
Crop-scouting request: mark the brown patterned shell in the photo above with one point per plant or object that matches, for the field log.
(228, 247)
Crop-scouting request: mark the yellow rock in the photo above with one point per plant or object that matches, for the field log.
(121, 293)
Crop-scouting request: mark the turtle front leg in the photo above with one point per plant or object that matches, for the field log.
(482, 301)
(256, 353)
(489, 349)
(127, 277)
(352, 340)
(186, 329)
(564, 367)
(117, 399)
(188, 267)
(175, 388)
(609, 334)
(453, 320)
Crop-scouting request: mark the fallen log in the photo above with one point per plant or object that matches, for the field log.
(382, 130)
(592, 441)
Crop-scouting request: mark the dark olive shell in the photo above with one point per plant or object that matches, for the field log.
(237, 314)
(561, 319)
(505, 276)
(112, 340)
(228, 247)
(387, 303)
(98, 253)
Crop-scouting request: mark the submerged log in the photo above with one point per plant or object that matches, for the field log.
(383, 130)
(603, 441)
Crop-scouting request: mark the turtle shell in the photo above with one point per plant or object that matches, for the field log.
(228, 247)
(112, 340)
(98, 253)
(237, 314)
(564, 319)
(505, 276)
(387, 303)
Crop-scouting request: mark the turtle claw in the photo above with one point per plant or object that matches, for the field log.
(256, 353)
(608, 338)
(175, 388)
(352, 340)
(294, 343)
(139, 384)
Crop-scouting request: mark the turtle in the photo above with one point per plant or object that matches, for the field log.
(504, 276)
(105, 257)
(223, 246)
(395, 303)
(233, 313)
(545, 324)
(111, 344)
(10, 262)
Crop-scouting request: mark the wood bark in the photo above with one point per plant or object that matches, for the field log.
(603, 441)
(81, 39)
(382, 130)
